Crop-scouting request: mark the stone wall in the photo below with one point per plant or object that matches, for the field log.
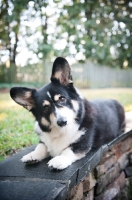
(111, 178)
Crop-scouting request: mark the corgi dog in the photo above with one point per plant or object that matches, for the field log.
(67, 124)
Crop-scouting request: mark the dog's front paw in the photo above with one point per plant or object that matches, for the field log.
(59, 162)
(29, 158)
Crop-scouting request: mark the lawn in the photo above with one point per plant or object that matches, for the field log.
(123, 95)
(17, 124)
(16, 127)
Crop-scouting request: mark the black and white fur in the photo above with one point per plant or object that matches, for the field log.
(67, 124)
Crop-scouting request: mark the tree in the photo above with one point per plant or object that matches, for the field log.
(9, 33)
(16, 19)
(98, 30)
(10, 24)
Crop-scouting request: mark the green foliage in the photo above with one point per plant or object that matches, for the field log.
(15, 19)
(101, 30)
(10, 24)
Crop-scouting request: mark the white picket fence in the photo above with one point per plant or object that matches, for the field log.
(86, 75)
(93, 76)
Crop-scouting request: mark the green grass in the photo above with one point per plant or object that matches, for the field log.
(16, 127)
(17, 124)
(123, 95)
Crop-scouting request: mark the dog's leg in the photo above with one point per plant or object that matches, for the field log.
(37, 155)
(66, 158)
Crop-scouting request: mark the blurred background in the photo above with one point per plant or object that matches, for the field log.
(94, 36)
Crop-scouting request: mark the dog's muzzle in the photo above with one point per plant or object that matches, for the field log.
(62, 122)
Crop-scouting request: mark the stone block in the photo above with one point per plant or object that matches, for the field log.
(130, 157)
(120, 181)
(88, 183)
(89, 196)
(126, 191)
(126, 144)
(128, 171)
(12, 169)
(84, 187)
(118, 150)
(34, 189)
(107, 178)
(123, 161)
(109, 194)
(101, 169)
(106, 156)
(113, 189)
(76, 193)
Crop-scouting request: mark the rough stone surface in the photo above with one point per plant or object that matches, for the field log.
(123, 161)
(107, 178)
(76, 192)
(126, 144)
(109, 194)
(126, 192)
(32, 189)
(117, 150)
(13, 170)
(106, 156)
(89, 195)
(130, 158)
(85, 187)
(128, 171)
(88, 183)
(107, 164)
(113, 189)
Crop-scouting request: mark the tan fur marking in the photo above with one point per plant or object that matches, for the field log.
(52, 116)
(56, 97)
(46, 103)
(75, 105)
(58, 74)
(29, 107)
(45, 122)
(28, 94)
(26, 100)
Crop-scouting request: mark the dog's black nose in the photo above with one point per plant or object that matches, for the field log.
(62, 122)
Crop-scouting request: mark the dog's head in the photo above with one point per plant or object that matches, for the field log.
(54, 105)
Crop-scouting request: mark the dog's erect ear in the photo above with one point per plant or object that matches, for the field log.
(61, 71)
(23, 96)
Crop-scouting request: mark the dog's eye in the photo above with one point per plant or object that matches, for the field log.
(46, 108)
(62, 99)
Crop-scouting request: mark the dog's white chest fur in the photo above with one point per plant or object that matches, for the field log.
(59, 139)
